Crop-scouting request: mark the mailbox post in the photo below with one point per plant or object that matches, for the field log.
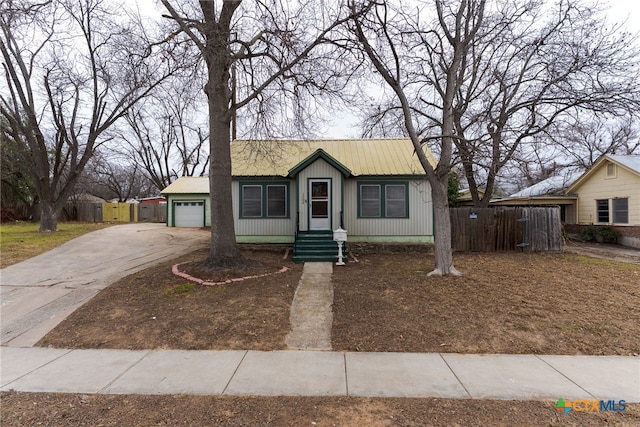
(340, 236)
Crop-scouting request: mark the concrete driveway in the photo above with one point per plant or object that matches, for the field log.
(37, 294)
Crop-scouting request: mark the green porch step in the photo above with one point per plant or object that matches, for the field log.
(314, 246)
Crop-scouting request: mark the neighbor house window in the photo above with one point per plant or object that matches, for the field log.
(621, 211)
(611, 170)
(383, 200)
(602, 207)
(264, 200)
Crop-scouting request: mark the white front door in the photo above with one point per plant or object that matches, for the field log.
(319, 204)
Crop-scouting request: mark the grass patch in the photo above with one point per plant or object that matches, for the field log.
(602, 262)
(22, 240)
(184, 288)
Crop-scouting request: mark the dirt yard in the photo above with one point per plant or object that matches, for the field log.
(34, 409)
(504, 303)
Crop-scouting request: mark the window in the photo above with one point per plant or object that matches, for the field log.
(383, 200)
(276, 200)
(252, 201)
(370, 200)
(602, 207)
(611, 170)
(264, 200)
(395, 203)
(621, 211)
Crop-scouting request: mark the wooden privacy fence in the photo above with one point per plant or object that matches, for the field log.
(502, 228)
(114, 212)
(152, 212)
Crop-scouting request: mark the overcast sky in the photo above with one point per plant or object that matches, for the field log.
(626, 9)
(619, 11)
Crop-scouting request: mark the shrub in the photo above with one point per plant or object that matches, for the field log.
(588, 233)
(609, 234)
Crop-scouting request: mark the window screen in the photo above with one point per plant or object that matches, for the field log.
(603, 210)
(251, 200)
(276, 200)
(370, 201)
(621, 211)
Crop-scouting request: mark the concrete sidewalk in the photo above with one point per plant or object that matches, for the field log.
(317, 373)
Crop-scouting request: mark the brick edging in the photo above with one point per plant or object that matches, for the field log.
(175, 269)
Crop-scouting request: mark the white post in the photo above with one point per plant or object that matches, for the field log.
(340, 236)
(340, 254)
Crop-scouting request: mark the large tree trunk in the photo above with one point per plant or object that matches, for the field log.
(223, 251)
(443, 254)
(48, 215)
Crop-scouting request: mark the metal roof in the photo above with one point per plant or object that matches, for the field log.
(361, 157)
(188, 185)
(283, 158)
(630, 161)
(552, 186)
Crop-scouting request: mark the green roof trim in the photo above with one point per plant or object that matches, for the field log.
(319, 154)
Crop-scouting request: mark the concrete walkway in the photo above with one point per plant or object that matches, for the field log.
(311, 310)
(317, 373)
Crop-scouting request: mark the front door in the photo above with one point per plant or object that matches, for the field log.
(319, 204)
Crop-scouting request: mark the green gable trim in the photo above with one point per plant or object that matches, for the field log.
(319, 154)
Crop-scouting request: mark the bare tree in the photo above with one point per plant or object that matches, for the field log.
(418, 57)
(112, 177)
(168, 135)
(72, 68)
(530, 65)
(263, 55)
(571, 146)
(584, 138)
(533, 65)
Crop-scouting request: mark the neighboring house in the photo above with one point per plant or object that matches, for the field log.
(376, 189)
(155, 199)
(609, 192)
(549, 192)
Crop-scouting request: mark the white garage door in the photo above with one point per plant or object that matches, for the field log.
(189, 214)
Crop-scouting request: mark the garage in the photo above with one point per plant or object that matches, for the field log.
(189, 213)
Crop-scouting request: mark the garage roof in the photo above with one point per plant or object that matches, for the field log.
(188, 185)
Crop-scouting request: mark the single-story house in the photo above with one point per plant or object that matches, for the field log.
(549, 192)
(376, 189)
(609, 192)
